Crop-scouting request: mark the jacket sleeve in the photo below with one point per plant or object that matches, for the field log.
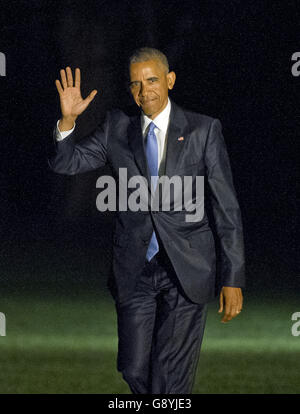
(88, 154)
(225, 207)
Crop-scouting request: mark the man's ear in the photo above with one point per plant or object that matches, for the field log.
(171, 77)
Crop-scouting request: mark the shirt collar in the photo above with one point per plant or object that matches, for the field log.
(161, 120)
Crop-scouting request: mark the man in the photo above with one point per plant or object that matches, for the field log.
(163, 265)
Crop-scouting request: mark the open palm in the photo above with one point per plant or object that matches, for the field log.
(71, 102)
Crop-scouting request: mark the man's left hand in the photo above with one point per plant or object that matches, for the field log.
(231, 301)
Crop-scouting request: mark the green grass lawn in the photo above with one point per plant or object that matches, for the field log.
(68, 344)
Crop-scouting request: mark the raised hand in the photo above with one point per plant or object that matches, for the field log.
(71, 102)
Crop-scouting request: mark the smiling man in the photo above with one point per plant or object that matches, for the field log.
(150, 82)
(164, 268)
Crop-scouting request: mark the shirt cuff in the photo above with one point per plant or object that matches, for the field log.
(60, 135)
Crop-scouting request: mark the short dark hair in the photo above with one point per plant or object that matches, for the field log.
(148, 53)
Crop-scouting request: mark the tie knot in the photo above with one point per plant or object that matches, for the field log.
(151, 127)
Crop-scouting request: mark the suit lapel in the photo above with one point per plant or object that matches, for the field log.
(136, 143)
(178, 127)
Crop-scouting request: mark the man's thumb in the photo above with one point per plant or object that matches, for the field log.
(91, 96)
(221, 303)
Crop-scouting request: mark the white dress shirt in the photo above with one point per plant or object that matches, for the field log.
(161, 122)
(60, 135)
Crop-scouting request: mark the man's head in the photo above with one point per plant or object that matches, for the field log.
(150, 80)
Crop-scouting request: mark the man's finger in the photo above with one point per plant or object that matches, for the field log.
(77, 78)
(226, 318)
(230, 311)
(69, 76)
(234, 312)
(63, 78)
(58, 86)
(241, 299)
(236, 309)
(239, 302)
(227, 315)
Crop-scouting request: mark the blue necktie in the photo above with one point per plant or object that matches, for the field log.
(152, 158)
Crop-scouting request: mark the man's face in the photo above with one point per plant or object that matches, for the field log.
(149, 85)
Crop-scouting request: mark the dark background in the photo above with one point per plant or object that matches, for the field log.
(233, 62)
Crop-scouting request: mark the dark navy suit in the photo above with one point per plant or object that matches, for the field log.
(181, 279)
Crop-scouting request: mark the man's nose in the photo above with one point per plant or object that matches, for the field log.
(143, 89)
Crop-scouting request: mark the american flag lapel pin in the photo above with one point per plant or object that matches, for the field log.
(180, 139)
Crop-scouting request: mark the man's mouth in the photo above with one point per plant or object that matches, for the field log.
(145, 102)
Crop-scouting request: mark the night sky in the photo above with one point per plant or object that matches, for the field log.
(233, 62)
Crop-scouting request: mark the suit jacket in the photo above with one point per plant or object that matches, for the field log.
(189, 246)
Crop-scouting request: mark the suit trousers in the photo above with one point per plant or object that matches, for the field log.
(160, 333)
